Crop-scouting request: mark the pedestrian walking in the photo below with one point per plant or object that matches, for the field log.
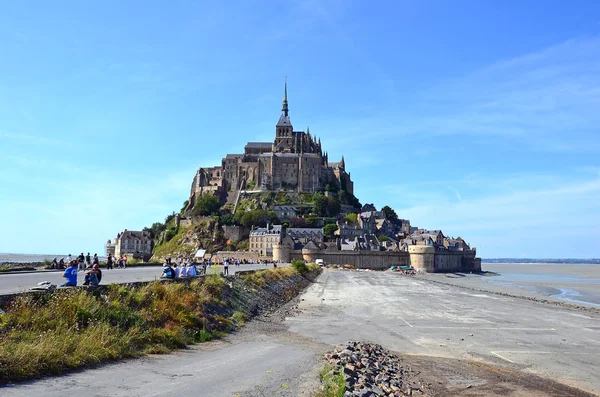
(80, 262)
(226, 268)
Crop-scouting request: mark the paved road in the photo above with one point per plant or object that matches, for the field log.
(403, 314)
(17, 282)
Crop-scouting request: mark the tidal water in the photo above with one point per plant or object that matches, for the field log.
(577, 283)
(25, 258)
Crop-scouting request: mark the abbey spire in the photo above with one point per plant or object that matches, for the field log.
(284, 119)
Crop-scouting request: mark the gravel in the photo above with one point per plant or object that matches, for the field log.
(371, 370)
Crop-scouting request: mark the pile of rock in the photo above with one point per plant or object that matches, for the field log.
(371, 370)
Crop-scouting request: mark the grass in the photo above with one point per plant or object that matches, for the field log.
(175, 246)
(263, 277)
(48, 334)
(332, 381)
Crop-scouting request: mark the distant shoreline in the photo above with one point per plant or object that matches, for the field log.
(587, 261)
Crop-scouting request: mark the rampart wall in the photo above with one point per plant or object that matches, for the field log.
(422, 258)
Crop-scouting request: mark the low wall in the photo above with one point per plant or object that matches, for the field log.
(250, 256)
(376, 260)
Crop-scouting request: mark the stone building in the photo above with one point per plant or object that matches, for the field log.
(132, 243)
(294, 161)
(262, 239)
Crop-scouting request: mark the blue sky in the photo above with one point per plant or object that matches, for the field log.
(481, 118)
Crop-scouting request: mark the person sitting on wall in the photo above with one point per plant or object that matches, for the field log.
(182, 270)
(168, 272)
(191, 270)
(93, 277)
(70, 274)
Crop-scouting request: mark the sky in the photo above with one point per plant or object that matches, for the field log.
(480, 118)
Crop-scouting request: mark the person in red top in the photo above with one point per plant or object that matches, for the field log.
(124, 261)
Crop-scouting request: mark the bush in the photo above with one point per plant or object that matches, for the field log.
(171, 232)
(207, 204)
(300, 266)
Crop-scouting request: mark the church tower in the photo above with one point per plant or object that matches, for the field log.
(284, 137)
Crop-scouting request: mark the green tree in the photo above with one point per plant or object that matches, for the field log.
(206, 204)
(312, 221)
(383, 238)
(319, 204)
(352, 218)
(227, 219)
(185, 204)
(329, 230)
(333, 206)
(155, 229)
(390, 214)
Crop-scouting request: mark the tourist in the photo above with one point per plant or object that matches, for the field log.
(226, 268)
(168, 271)
(95, 261)
(80, 262)
(125, 262)
(69, 258)
(93, 277)
(182, 270)
(71, 275)
(168, 259)
(54, 264)
(109, 262)
(61, 263)
(88, 260)
(191, 270)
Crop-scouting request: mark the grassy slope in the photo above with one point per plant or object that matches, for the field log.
(72, 329)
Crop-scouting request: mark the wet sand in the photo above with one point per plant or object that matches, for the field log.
(570, 283)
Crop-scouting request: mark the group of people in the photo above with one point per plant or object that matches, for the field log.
(185, 268)
(87, 261)
(92, 275)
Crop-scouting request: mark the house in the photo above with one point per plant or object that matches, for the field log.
(457, 244)
(302, 235)
(404, 226)
(131, 243)
(384, 227)
(285, 212)
(348, 230)
(262, 239)
(366, 220)
(436, 235)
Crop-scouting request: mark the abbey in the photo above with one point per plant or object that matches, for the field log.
(294, 161)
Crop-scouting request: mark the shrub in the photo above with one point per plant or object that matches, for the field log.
(300, 266)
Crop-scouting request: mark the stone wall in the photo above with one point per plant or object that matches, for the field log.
(376, 260)
(236, 233)
(423, 258)
(250, 256)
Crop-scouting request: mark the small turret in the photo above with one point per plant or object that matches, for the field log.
(342, 163)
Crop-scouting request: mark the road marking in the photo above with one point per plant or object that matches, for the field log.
(407, 323)
(504, 358)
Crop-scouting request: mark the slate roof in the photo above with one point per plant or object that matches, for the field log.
(284, 120)
(131, 234)
(261, 145)
(284, 208)
(262, 231)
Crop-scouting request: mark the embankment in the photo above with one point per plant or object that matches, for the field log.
(50, 333)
